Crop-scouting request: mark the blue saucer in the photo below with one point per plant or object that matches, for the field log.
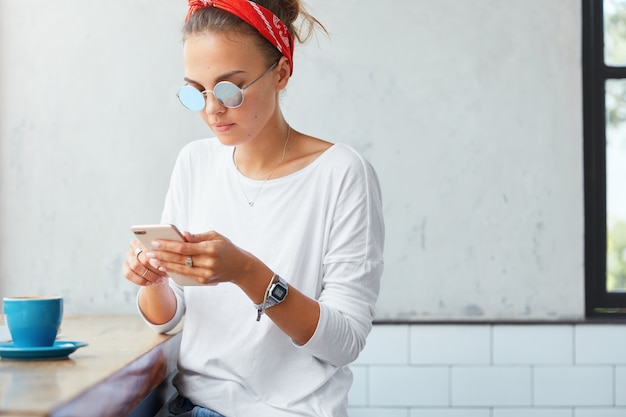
(60, 350)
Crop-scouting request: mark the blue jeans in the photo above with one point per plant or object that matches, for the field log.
(182, 407)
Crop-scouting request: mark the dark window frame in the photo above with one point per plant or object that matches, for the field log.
(598, 301)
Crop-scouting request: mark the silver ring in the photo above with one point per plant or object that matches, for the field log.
(189, 261)
(137, 252)
(144, 273)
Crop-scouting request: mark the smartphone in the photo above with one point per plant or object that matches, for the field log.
(149, 232)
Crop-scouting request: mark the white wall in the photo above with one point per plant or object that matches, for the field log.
(89, 128)
(470, 111)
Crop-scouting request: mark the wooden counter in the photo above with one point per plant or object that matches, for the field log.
(125, 366)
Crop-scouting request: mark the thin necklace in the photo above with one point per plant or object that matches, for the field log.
(251, 202)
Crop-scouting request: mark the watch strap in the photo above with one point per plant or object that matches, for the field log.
(270, 299)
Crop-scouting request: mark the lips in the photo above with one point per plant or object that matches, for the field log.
(222, 127)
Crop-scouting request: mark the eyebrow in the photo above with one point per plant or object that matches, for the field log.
(221, 77)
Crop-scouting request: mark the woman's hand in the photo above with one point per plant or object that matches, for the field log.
(156, 299)
(137, 269)
(216, 259)
(208, 258)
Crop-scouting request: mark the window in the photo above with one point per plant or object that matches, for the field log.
(604, 91)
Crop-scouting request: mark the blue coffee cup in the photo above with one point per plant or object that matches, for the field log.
(33, 321)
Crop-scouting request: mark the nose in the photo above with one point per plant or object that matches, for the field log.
(212, 106)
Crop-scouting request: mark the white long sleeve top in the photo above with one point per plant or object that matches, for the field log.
(322, 230)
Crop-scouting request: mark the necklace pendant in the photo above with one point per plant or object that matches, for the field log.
(251, 203)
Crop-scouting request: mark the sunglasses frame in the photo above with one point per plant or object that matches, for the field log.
(241, 90)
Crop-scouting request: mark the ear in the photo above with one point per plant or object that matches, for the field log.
(284, 73)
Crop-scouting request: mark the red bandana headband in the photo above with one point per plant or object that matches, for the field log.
(257, 16)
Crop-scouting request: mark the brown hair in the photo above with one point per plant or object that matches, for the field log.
(213, 19)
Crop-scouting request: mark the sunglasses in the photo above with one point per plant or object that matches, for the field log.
(225, 92)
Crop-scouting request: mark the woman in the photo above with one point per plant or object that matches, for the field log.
(288, 225)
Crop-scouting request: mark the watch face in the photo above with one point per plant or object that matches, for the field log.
(279, 292)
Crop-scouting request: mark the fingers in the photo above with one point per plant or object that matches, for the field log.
(160, 259)
(197, 267)
(137, 269)
(173, 262)
(191, 245)
(195, 258)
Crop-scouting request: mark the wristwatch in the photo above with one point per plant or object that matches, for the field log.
(276, 295)
(278, 292)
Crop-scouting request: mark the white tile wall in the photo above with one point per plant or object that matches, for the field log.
(491, 385)
(491, 370)
(533, 412)
(620, 385)
(601, 344)
(450, 345)
(576, 386)
(600, 412)
(409, 386)
(528, 345)
(450, 412)
(386, 345)
(379, 412)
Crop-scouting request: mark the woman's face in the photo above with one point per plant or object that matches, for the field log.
(213, 57)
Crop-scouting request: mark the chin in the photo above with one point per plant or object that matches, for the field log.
(225, 139)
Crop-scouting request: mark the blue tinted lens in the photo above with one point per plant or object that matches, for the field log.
(191, 98)
(228, 94)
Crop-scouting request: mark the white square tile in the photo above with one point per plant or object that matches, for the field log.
(573, 386)
(449, 412)
(620, 385)
(491, 386)
(533, 412)
(533, 344)
(409, 386)
(358, 391)
(600, 412)
(451, 344)
(600, 344)
(378, 412)
(386, 345)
